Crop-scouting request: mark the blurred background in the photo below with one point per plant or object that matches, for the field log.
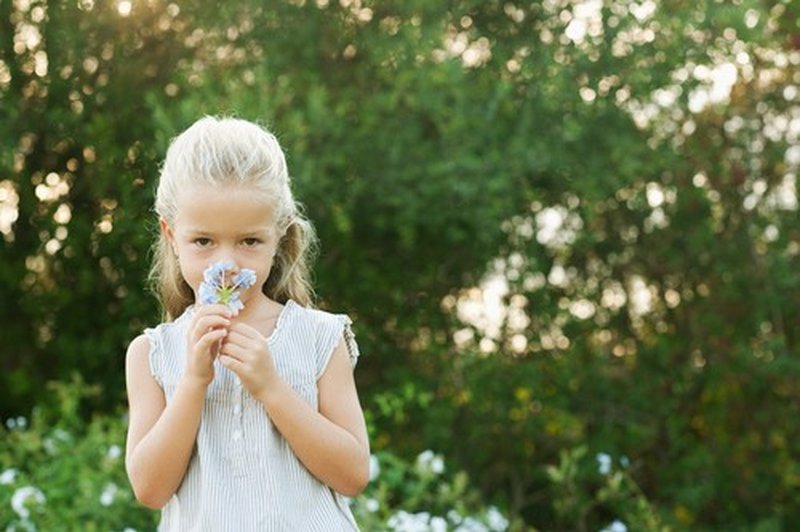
(567, 232)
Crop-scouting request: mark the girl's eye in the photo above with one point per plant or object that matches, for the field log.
(250, 242)
(202, 242)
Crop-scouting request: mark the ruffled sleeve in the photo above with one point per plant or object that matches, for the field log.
(333, 328)
(155, 357)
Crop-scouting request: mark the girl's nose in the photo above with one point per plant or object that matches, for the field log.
(227, 255)
(230, 259)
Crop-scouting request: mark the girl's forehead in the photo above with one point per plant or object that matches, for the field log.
(224, 207)
(232, 191)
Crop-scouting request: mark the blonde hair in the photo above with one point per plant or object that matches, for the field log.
(230, 151)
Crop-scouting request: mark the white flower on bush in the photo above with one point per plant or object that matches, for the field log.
(615, 526)
(604, 463)
(497, 521)
(25, 497)
(114, 452)
(108, 494)
(454, 517)
(8, 476)
(374, 467)
(16, 423)
(438, 524)
(428, 461)
(470, 524)
(51, 444)
(372, 505)
(404, 521)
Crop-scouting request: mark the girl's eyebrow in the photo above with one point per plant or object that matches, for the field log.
(246, 233)
(197, 231)
(257, 232)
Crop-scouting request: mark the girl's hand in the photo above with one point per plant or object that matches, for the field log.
(208, 327)
(244, 351)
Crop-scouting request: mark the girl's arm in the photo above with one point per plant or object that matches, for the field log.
(331, 443)
(160, 437)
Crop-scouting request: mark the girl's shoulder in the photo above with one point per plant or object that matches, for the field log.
(329, 330)
(168, 327)
(168, 333)
(138, 347)
(166, 344)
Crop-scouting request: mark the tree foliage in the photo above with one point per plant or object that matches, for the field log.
(628, 169)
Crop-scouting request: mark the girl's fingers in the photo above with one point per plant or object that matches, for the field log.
(233, 350)
(208, 310)
(204, 324)
(210, 338)
(236, 337)
(210, 322)
(246, 330)
(245, 335)
(207, 317)
(230, 363)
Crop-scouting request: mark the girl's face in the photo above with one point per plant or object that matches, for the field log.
(223, 224)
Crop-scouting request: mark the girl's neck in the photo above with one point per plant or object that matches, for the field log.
(259, 309)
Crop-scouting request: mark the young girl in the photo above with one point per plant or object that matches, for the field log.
(241, 419)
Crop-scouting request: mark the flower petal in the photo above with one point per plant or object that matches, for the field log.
(208, 294)
(245, 278)
(217, 287)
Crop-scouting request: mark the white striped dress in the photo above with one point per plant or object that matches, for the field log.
(243, 476)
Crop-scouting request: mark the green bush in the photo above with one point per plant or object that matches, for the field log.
(63, 473)
(59, 472)
(422, 495)
(587, 487)
(647, 232)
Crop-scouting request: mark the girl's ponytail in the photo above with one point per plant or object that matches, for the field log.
(166, 281)
(291, 269)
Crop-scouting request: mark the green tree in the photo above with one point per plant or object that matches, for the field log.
(627, 168)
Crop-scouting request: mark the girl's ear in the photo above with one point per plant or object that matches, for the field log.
(166, 230)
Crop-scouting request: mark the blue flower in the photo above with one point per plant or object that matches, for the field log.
(216, 272)
(235, 301)
(208, 294)
(218, 287)
(245, 278)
